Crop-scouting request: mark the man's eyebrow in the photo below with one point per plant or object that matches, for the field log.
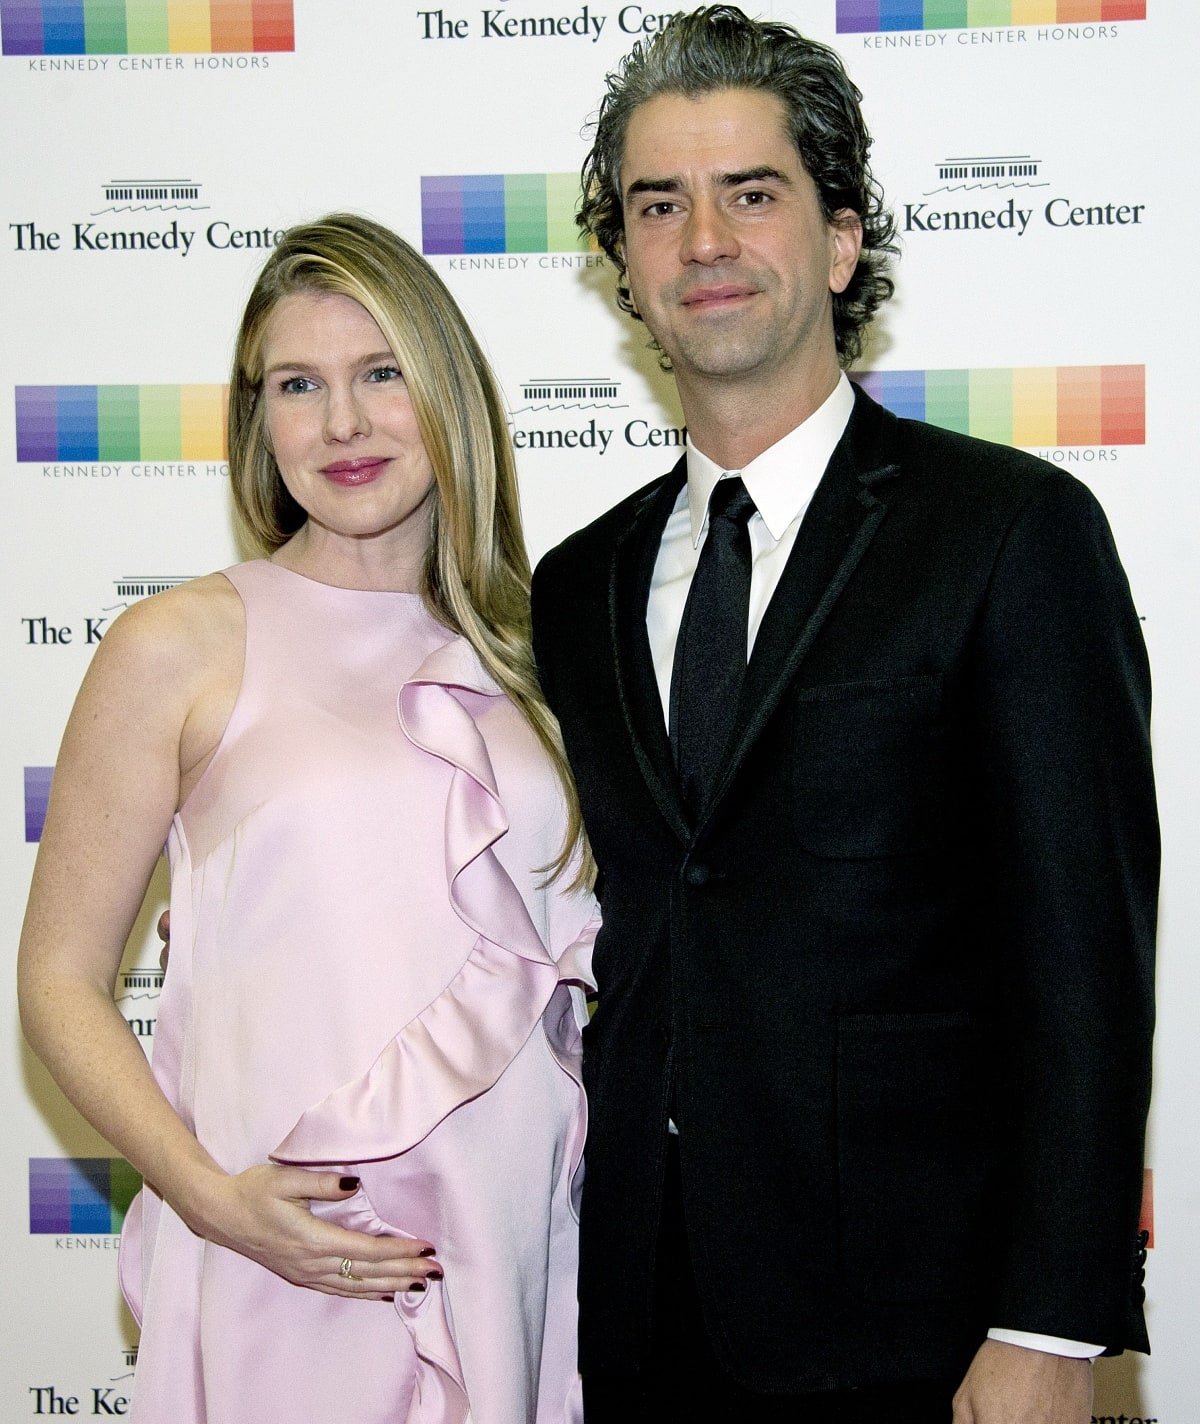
(652, 185)
(755, 175)
(727, 180)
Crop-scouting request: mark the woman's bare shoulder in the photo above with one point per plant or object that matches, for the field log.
(178, 633)
(198, 601)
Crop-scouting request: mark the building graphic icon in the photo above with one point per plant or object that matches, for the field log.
(149, 979)
(144, 587)
(151, 192)
(570, 391)
(1009, 170)
(1022, 166)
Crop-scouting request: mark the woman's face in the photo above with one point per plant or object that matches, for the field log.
(341, 424)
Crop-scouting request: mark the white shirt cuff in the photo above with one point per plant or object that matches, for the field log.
(1051, 1344)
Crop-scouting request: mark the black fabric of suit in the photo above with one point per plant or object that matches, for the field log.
(683, 1380)
(900, 973)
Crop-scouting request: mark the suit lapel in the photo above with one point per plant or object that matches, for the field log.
(629, 590)
(836, 530)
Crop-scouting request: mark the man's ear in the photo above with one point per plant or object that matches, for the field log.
(845, 246)
(620, 252)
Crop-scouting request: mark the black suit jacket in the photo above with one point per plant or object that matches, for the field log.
(900, 975)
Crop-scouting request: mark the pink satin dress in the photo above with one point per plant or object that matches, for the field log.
(366, 976)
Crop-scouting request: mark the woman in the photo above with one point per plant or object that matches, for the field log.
(364, 1118)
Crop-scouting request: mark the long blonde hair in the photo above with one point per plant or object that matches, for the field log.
(476, 575)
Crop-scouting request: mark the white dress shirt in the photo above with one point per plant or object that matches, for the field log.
(781, 482)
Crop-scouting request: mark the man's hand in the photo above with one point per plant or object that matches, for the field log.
(1010, 1384)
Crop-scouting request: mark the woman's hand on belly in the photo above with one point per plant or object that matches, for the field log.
(263, 1213)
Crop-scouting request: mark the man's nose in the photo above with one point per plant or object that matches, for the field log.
(708, 234)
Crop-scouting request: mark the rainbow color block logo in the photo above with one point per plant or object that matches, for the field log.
(37, 798)
(80, 1196)
(1146, 1216)
(120, 423)
(1026, 406)
(500, 212)
(870, 16)
(145, 26)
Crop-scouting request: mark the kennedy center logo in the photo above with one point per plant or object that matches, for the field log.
(159, 422)
(1024, 406)
(1020, 170)
(566, 413)
(158, 195)
(570, 393)
(879, 16)
(995, 193)
(141, 215)
(40, 630)
(1146, 1216)
(90, 27)
(500, 212)
(138, 998)
(37, 799)
(80, 1196)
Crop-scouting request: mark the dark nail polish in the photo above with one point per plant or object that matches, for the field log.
(348, 1184)
(417, 1286)
(433, 1275)
(428, 1251)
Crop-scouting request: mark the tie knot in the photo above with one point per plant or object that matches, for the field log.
(731, 500)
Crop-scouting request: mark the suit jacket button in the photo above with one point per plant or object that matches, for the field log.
(697, 874)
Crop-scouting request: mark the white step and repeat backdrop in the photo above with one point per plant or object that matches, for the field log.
(155, 148)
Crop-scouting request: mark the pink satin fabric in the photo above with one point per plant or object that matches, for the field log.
(366, 976)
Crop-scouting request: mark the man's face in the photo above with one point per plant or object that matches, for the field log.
(731, 263)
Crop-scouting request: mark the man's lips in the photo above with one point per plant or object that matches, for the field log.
(701, 297)
(355, 472)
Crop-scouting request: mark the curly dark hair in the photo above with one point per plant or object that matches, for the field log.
(718, 47)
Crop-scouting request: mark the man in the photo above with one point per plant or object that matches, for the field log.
(870, 1065)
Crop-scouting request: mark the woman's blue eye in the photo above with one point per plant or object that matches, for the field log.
(295, 385)
(384, 373)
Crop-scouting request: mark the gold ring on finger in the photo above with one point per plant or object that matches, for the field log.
(346, 1270)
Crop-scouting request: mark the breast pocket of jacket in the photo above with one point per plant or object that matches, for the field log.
(912, 1154)
(868, 772)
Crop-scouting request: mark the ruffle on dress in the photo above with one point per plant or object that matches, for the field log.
(461, 1043)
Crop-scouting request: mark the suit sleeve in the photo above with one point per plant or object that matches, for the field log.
(1068, 818)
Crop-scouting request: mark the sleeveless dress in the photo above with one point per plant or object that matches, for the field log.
(366, 977)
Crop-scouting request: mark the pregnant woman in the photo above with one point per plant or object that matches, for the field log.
(363, 1123)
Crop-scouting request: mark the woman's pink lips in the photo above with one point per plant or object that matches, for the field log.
(354, 472)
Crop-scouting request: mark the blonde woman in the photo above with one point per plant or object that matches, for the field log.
(363, 1124)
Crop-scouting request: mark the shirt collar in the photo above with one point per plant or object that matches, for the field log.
(782, 479)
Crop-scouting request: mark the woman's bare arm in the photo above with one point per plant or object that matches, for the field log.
(147, 720)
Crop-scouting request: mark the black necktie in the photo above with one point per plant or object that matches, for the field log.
(710, 656)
